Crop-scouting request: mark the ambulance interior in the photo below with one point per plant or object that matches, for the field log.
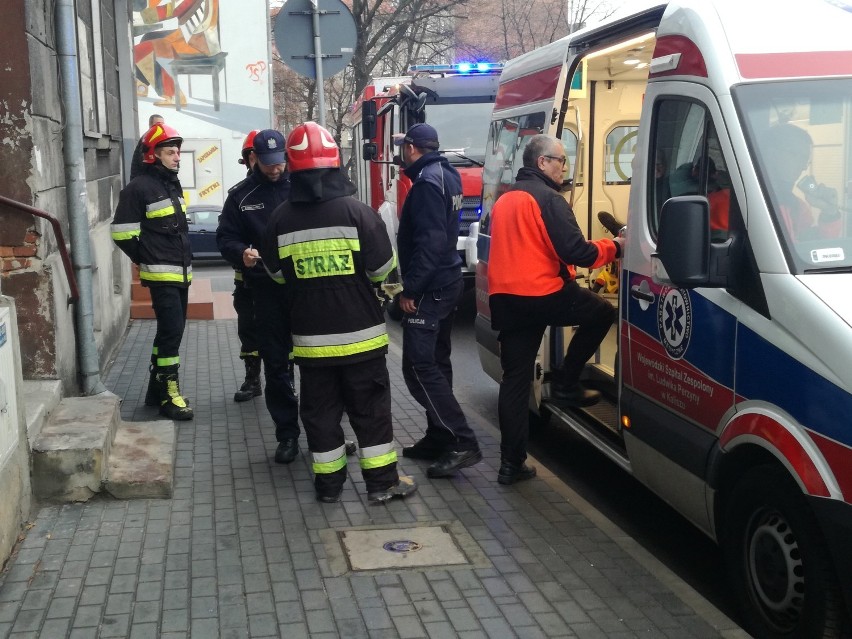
(599, 133)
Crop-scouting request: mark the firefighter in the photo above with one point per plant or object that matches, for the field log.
(246, 329)
(332, 251)
(150, 227)
(244, 217)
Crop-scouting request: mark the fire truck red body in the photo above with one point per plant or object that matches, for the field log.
(455, 99)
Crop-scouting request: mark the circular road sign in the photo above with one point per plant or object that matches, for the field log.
(294, 36)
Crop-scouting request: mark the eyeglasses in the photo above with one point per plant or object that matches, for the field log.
(562, 159)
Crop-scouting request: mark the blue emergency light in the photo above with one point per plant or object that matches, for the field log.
(460, 67)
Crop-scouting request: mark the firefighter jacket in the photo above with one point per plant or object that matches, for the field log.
(332, 250)
(429, 227)
(536, 241)
(245, 215)
(150, 227)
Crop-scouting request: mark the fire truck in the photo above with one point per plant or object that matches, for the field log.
(456, 99)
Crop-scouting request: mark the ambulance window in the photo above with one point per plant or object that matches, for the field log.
(569, 143)
(679, 127)
(618, 154)
(504, 152)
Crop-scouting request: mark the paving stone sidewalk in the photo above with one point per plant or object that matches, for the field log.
(242, 549)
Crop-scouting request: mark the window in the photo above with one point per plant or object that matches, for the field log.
(569, 143)
(800, 138)
(504, 156)
(689, 161)
(91, 59)
(618, 154)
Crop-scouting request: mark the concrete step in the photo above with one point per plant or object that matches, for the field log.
(141, 463)
(69, 455)
(40, 398)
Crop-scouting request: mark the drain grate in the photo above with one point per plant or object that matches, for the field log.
(376, 548)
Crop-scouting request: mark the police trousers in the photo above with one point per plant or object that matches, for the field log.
(572, 306)
(169, 304)
(427, 370)
(361, 389)
(272, 320)
(246, 327)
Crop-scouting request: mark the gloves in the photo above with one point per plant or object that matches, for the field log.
(619, 246)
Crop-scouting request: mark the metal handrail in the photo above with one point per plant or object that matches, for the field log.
(60, 240)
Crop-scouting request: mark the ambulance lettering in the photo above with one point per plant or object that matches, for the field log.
(324, 264)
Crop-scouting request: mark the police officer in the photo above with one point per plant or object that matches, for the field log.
(432, 288)
(332, 251)
(150, 227)
(244, 217)
(244, 307)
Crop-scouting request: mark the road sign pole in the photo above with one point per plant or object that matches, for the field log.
(320, 89)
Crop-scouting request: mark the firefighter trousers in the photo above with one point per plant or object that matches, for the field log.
(361, 389)
(428, 372)
(246, 327)
(272, 321)
(169, 304)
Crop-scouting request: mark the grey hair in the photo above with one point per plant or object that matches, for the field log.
(538, 146)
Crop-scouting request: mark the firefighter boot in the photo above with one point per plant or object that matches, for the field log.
(172, 404)
(152, 396)
(251, 387)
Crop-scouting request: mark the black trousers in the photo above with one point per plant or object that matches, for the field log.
(363, 391)
(573, 306)
(428, 372)
(272, 320)
(246, 326)
(169, 304)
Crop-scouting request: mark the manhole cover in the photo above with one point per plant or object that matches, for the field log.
(379, 549)
(402, 545)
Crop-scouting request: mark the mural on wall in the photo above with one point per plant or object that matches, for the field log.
(173, 38)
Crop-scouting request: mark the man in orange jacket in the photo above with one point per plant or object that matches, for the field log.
(535, 243)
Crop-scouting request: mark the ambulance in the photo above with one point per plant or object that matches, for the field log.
(719, 134)
(457, 100)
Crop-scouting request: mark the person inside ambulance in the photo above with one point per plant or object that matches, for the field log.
(787, 155)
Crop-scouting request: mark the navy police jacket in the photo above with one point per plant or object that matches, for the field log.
(429, 227)
(244, 217)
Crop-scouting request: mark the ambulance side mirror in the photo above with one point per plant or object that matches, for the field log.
(684, 249)
(368, 120)
(369, 151)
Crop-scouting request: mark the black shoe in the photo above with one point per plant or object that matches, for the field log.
(424, 449)
(351, 448)
(452, 461)
(249, 390)
(574, 395)
(402, 488)
(510, 473)
(329, 498)
(287, 451)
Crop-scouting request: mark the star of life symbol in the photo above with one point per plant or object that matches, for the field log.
(674, 321)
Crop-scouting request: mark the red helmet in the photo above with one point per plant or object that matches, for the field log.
(159, 135)
(309, 146)
(248, 146)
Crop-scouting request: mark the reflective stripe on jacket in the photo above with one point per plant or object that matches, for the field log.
(331, 254)
(150, 228)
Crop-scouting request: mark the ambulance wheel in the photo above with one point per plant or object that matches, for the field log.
(777, 560)
(393, 309)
